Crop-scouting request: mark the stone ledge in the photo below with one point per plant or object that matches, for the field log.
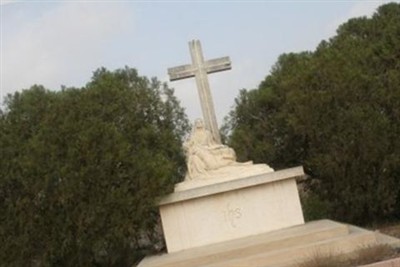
(221, 187)
(387, 263)
(281, 248)
(272, 241)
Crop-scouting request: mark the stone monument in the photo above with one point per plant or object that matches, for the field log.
(228, 213)
(220, 198)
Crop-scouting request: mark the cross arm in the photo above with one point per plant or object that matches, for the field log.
(181, 72)
(218, 64)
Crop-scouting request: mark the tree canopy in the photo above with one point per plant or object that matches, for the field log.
(336, 111)
(81, 170)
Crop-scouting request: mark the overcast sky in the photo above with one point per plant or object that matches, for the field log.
(56, 43)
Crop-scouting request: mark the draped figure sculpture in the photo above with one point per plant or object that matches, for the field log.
(206, 158)
(204, 154)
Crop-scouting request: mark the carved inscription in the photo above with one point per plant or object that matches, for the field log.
(232, 215)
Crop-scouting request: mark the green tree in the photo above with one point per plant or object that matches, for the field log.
(336, 111)
(259, 129)
(82, 170)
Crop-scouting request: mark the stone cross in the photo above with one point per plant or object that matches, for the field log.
(199, 69)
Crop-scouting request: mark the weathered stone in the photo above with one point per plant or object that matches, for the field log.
(281, 248)
(231, 209)
(199, 69)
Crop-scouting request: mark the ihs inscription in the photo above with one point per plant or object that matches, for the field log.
(232, 215)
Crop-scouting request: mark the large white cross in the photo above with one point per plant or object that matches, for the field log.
(199, 69)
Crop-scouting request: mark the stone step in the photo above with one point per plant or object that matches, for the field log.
(292, 256)
(386, 263)
(237, 252)
(379, 239)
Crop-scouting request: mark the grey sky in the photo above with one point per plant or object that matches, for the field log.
(58, 43)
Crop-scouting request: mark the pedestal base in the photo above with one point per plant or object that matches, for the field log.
(233, 209)
(281, 248)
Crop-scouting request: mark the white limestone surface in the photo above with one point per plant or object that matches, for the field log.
(199, 69)
(233, 209)
(225, 174)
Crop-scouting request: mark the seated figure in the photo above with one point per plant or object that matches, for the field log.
(204, 154)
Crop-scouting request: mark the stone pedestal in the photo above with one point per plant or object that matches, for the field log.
(231, 209)
(284, 248)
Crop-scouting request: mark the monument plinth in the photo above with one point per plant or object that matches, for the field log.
(227, 210)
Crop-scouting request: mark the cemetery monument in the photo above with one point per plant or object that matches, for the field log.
(229, 213)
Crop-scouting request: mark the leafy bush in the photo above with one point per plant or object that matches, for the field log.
(81, 170)
(336, 111)
(313, 207)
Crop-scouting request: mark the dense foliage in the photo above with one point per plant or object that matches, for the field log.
(337, 112)
(81, 170)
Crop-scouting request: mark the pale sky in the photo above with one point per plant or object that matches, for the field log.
(56, 43)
